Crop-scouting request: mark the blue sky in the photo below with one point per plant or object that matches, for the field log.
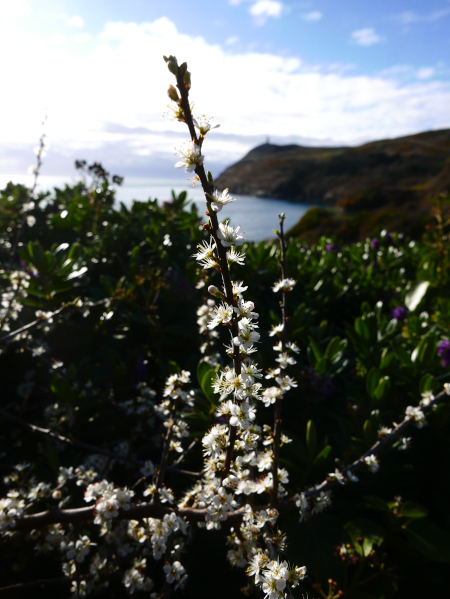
(321, 73)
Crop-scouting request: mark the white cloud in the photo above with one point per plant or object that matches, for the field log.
(13, 9)
(250, 94)
(76, 21)
(425, 73)
(410, 16)
(264, 9)
(83, 37)
(231, 40)
(314, 15)
(366, 37)
(58, 38)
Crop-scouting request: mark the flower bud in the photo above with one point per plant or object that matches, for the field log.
(213, 290)
(187, 80)
(172, 93)
(172, 67)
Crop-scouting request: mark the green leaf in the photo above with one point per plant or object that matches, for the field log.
(311, 440)
(383, 386)
(207, 386)
(429, 539)
(323, 455)
(372, 380)
(416, 294)
(52, 458)
(426, 383)
(107, 283)
(425, 352)
(411, 509)
(370, 532)
(362, 329)
(62, 388)
(369, 434)
(323, 365)
(202, 369)
(386, 360)
(315, 347)
(333, 347)
(376, 503)
(37, 254)
(402, 354)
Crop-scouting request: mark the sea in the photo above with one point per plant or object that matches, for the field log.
(257, 217)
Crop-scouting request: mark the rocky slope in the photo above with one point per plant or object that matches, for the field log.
(379, 173)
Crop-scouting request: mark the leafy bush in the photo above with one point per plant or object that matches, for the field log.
(103, 313)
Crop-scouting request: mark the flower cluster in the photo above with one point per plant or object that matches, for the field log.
(109, 500)
(274, 576)
(154, 533)
(241, 485)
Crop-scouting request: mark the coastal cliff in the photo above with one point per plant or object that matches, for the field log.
(372, 174)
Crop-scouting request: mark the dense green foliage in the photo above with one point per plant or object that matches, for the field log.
(131, 291)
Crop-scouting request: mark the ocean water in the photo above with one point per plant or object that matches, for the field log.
(257, 217)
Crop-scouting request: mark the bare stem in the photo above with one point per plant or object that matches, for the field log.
(33, 323)
(154, 510)
(45, 582)
(166, 449)
(277, 415)
(208, 189)
(283, 276)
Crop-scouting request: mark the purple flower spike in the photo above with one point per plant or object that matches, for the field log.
(330, 247)
(443, 350)
(399, 313)
(374, 244)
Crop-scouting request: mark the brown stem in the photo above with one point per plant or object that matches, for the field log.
(32, 324)
(31, 197)
(276, 452)
(208, 189)
(69, 441)
(153, 510)
(165, 453)
(273, 553)
(75, 381)
(277, 415)
(186, 451)
(22, 586)
(283, 276)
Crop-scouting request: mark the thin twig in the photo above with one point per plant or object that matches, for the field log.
(208, 189)
(32, 324)
(22, 586)
(186, 451)
(156, 510)
(94, 449)
(85, 446)
(277, 414)
(165, 452)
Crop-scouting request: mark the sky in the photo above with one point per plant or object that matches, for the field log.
(322, 73)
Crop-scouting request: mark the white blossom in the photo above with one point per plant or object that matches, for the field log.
(284, 285)
(228, 235)
(219, 200)
(190, 155)
(372, 462)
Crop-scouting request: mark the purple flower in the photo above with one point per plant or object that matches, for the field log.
(328, 386)
(140, 371)
(374, 244)
(399, 313)
(330, 247)
(443, 350)
(321, 383)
